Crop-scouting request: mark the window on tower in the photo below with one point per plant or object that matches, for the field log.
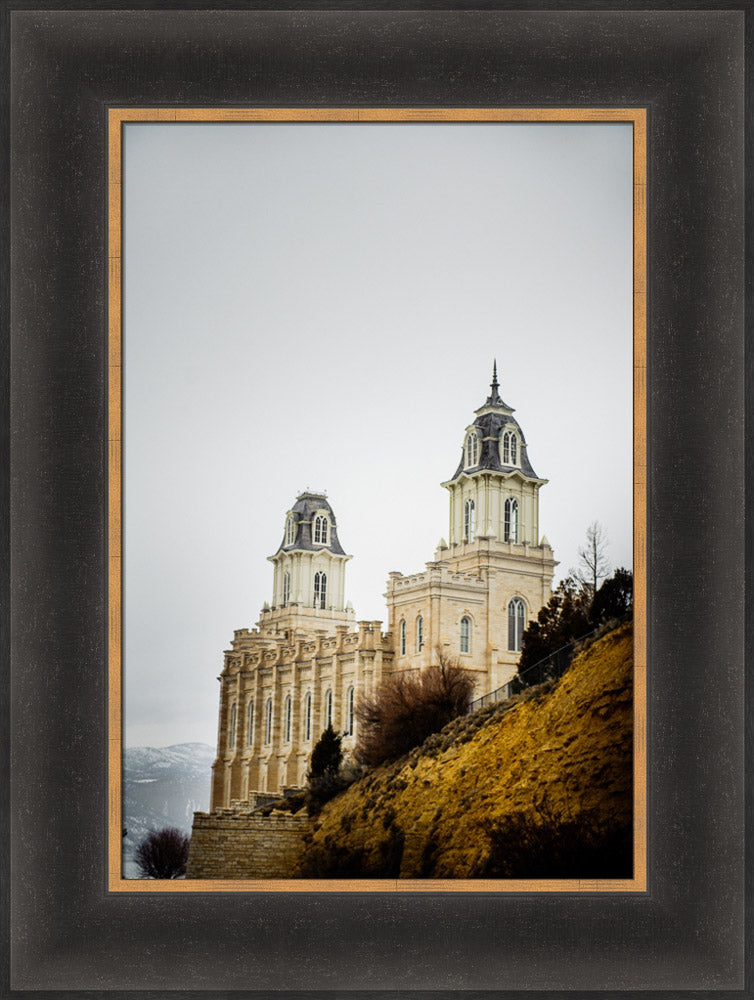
(402, 633)
(321, 529)
(472, 450)
(419, 633)
(469, 521)
(516, 624)
(510, 527)
(328, 709)
(320, 590)
(510, 448)
(465, 634)
(286, 588)
(290, 530)
(250, 736)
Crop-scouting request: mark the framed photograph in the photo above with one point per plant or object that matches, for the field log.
(459, 218)
(98, 99)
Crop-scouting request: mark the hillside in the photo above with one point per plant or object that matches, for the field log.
(162, 786)
(538, 786)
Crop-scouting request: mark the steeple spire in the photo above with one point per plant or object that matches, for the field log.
(494, 397)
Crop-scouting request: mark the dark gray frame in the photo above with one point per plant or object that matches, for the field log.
(68, 933)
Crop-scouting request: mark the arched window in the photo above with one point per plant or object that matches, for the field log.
(268, 722)
(419, 633)
(465, 634)
(472, 450)
(510, 448)
(308, 717)
(510, 533)
(469, 521)
(328, 709)
(250, 736)
(349, 712)
(402, 633)
(516, 624)
(286, 588)
(290, 530)
(287, 719)
(321, 526)
(232, 727)
(320, 590)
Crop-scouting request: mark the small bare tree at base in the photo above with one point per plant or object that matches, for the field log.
(163, 853)
(408, 707)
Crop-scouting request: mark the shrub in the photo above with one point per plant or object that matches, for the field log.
(409, 707)
(163, 853)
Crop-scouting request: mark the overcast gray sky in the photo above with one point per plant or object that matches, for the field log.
(318, 306)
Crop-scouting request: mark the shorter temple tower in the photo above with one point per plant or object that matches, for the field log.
(310, 570)
(302, 668)
(492, 576)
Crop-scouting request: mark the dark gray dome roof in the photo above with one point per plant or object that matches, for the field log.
(492, 417)
(304, 510)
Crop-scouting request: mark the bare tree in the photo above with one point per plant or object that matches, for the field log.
(593, 564)
(408, 707)
(163, 853)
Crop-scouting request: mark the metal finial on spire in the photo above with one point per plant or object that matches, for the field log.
(494, 399)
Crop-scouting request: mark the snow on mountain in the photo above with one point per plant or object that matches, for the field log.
(162, 786)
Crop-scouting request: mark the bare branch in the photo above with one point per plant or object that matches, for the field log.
(594, 566)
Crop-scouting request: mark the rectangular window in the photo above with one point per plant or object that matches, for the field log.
(465, 635)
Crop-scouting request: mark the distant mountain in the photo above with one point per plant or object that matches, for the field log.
(162, 786)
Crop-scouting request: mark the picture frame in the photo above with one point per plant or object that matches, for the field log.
(120, 121)
(69, 933)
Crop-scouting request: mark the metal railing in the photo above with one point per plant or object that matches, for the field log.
(559, 661)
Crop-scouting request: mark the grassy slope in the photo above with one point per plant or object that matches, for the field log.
(561, 750)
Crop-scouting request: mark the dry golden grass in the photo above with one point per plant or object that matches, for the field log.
(561, 752)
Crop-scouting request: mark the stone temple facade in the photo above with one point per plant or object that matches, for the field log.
(307, 662)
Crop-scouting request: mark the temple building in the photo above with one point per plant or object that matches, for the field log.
(307, 662)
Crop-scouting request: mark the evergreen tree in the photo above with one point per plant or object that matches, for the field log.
(564, 618)
(615, 597)
(324, 777)
(573, 611)
(327, 755)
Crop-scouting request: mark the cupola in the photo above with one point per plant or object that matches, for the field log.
(494, 442)
(494, 490)
(310, 526)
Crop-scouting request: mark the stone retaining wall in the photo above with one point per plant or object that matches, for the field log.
(232, 844)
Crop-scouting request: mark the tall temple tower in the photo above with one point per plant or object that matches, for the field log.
(474, 600)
